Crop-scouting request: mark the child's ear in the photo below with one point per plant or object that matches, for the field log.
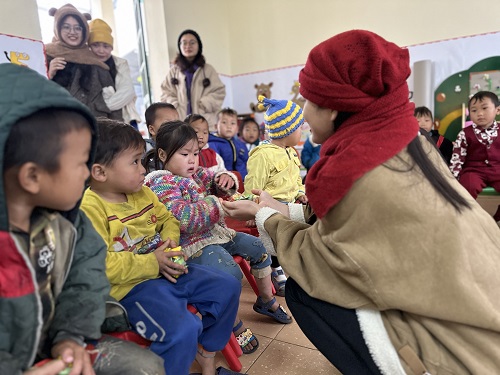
(151, 129)
(98, 172)
(162, 155)
(29, 177)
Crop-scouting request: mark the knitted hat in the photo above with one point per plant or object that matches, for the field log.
(282, 117)
(69, 10)
(353, 69)
(100, 32)
(193, 33)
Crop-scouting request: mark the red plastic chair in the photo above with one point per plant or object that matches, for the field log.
(231, 351)
(245, 268)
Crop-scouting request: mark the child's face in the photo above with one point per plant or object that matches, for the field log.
(102, 50)
(227, 126)
(63, 189)
(294, 138)
(71, 32)
(483, 112)
(250, 132)
(126, 174)
(201, 129)
(425, 122)
(162, 115)
(185, 160)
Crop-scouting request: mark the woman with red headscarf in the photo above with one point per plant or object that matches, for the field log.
(366, 287)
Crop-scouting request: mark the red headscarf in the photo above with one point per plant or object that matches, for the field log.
(361, 73)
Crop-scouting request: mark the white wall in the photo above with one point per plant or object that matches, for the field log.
(20, 18)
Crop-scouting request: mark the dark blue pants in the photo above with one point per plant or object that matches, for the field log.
(157, 310)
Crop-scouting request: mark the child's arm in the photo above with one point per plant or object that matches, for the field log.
(167, 225)
(258, 172)
(459, 154)
(193, 213)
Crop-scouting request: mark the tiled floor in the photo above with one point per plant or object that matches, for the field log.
(283, 349)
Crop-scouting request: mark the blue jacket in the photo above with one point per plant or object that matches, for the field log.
(310, 154)
(233, 151)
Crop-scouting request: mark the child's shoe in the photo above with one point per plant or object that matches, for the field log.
(265, 308)
(279, 281)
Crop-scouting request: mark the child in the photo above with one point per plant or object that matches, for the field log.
(191, 194)
(52, 270)
(250, 133)
(156, 114)
(155, 290)
(426, 122)
(476, 153)
(274, 165)
(207, 157)
(310, 153)
(226, 143)
(122, 96)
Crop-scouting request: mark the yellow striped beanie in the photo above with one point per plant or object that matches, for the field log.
(282, 117)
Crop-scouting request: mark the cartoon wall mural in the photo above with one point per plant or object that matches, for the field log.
(297, 99)
(452, 95)
(24, 52)
(262, 89)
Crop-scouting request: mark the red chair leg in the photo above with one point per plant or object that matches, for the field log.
(231, 351)
(245, 268)
(231, 358)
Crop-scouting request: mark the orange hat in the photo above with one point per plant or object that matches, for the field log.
(100, 32)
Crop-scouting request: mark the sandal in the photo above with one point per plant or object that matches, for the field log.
(222, 371)
(244, 338)
(265, 308)
(279, 286)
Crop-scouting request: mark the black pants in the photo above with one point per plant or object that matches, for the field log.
(332, 329)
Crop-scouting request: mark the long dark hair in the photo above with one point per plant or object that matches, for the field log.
(172, 136)
(421, 159)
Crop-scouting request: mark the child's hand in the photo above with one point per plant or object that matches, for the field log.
(224, 181)
(302, 199)
(168, 268)
(250, 223)
(73, 353)
(53, 367)
(240, 210)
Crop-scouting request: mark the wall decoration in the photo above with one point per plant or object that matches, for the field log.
(262, 89)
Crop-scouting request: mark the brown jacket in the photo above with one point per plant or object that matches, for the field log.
(392, 244)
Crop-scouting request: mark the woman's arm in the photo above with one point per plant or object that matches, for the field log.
(213, 95)
(169, 92)
(124, 87)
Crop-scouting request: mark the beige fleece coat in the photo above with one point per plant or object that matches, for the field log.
(205, 101)
(395, 246)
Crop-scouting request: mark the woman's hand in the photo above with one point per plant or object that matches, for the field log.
(240, 210)
(58, 63)
(168, 268)
(73, 353)
(266, 200)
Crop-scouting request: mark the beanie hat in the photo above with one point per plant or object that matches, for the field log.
(193, 33)
(351, 70)
(100, 32)
(282, 117)
(69, 10)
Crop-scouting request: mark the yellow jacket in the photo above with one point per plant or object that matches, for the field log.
(131, 231)
(276, 170)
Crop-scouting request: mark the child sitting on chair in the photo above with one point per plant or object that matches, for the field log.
(274, 165)
(226, 143)
(249, 133)
(207, 157)
(192, 194)
(476, 153)
(154, 289)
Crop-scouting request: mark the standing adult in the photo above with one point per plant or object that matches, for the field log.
(122, 96)
(192, 85)
(397, 271)
(73, 66)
